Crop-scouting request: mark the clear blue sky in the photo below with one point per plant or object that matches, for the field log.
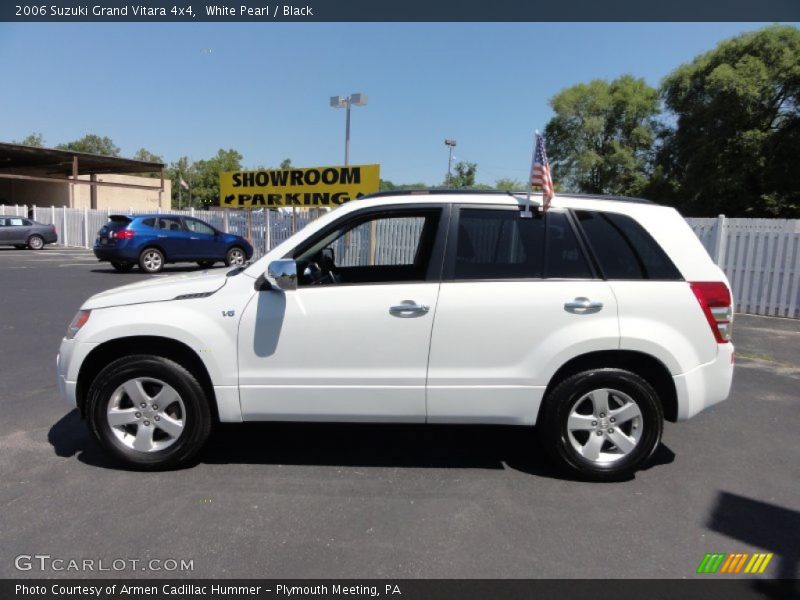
(263, 88)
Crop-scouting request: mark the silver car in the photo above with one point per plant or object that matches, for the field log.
(25, 233)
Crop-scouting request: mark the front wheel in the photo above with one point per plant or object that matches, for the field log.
(602, 424)
(149, 412)
(235, 257)
(151, 260)
(36, 242)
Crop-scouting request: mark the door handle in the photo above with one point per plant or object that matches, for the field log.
(582, 305)
(407, 308)
(162, 236)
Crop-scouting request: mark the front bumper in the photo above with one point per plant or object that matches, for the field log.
(68, 362)
(706, 385)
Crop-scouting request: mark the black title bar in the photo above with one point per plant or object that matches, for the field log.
(400, 11)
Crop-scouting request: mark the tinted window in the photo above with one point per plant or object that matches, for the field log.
(170, 223)
(384, 247)
(198, 226)
(151, 222)
(498, 244)
(565, 258)
(624, 249)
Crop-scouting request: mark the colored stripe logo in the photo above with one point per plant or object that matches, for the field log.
(734, 562)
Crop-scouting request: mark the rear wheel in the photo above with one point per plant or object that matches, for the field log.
(602, 424)
(36, 242)
(120, 266)
(205, 264)
(151, 260)
(235, 257)
(149, 412)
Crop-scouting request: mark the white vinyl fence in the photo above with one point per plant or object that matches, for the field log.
(761, 257)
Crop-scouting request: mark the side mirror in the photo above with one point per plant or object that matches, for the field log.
(282, 274)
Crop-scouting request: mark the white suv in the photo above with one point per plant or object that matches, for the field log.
(594, 321)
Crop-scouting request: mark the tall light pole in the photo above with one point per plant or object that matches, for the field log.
(347, 102)
(450, 145)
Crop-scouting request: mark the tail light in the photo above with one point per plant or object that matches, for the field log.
(715, 300)
(125, 234)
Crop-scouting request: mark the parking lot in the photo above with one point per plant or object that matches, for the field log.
(269, 500)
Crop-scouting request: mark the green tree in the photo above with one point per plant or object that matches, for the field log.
(736, 141)
(601, 138)
(34, 139)
(463, 175)
(145, 155)
(286, 163)
(388, 186)
(506, 183)
(205, 176)
(92, 144)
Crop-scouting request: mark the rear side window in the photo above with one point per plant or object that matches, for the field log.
(564, 257)
(151, 222)
(498, 244)
(624, 249)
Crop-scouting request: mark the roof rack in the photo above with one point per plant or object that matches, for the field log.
(441, 191)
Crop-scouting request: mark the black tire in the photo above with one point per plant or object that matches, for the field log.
(35, 242)
(123, 267)
(197, 418)
(559, 402)
(205, 264)
(233, 254)
(151, 260)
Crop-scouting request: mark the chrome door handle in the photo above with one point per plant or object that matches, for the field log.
(194, 238)
(407, 308)
(582, 305)
(162, 236)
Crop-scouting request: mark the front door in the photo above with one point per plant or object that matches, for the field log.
(351, 343)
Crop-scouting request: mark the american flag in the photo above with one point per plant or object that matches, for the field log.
(540, 172)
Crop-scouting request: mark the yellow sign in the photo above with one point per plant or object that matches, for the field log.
(317, 186)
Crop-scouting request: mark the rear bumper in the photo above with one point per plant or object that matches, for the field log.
(115, 254)
(706, 385)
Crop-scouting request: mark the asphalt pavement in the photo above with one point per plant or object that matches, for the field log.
(354, 501)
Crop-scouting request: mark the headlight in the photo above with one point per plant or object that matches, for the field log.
(78, 322)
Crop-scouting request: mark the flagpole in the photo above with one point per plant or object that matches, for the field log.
(530, 170)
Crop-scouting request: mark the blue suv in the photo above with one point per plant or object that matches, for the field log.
(151, 241)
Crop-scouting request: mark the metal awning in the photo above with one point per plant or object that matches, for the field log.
(29, 163)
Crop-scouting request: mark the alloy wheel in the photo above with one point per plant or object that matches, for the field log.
(146, 414)
(152, 261)
(604, 425)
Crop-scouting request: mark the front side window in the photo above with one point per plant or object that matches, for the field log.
(198, 226)
(382, 248)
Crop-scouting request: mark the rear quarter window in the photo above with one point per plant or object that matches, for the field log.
(151, 222)
(624, 250)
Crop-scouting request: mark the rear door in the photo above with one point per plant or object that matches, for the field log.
(17, 230)
(519, 299)
(173, 238)
(5, 231)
